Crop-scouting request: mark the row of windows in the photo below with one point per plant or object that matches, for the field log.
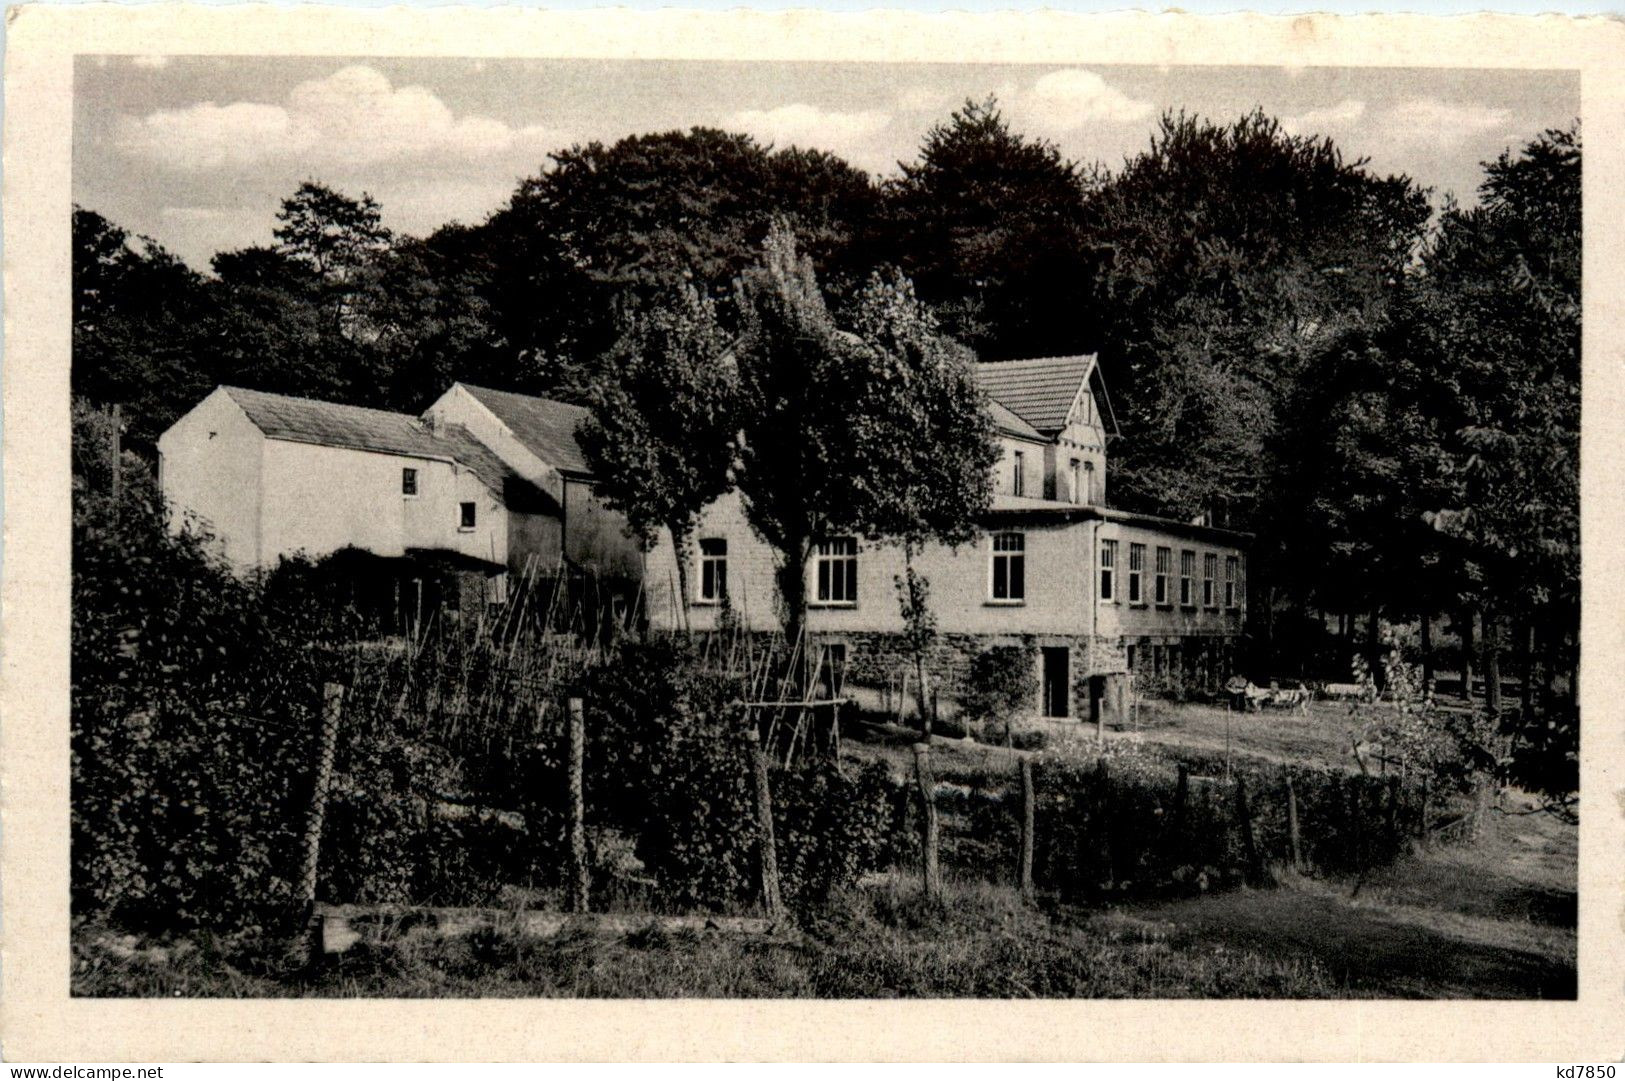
(1162, 579)
(835, 572)
(467, 513)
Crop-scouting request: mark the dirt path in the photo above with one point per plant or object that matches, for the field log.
(1493, 920)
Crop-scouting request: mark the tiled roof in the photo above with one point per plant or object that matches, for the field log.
(1040, 391)
(547, 428)
(1008, 422)
(329, 424)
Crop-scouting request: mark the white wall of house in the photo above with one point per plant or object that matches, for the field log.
(1056, 570)
(318, 499)
(458, 406)
(210, 469)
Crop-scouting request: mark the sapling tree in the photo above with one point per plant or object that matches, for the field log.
(661, 434)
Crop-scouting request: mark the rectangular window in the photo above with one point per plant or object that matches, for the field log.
(1077, 482)
(1009, 581)
(1187, 577)
(409, 481)
(1018, 479)
(1108, 569)
(1210, 575)
(1165, 570)
(835, 563)
(1136, 569)
(466, 516)
(713, 569)
(1231, 566)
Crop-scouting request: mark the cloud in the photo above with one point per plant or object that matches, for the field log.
(1430, 120)
(809, 126)
(351, 117)
(1315, 121)
(1075, 97)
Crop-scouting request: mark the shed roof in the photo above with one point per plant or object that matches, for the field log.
(546, 427)
(1040, 390)
(354, 427)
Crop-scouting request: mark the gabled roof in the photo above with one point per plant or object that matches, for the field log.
(1041, 390)
(354, 427)
(547, 428)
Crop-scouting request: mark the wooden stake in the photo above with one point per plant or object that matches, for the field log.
(1182, 795)
(332, 710)
(928, 821)
(1292, 825)
(767, 849)
(1028, 801)
(1255, 869)
(576, 883)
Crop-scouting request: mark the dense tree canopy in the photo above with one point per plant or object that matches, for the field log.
(991, 227)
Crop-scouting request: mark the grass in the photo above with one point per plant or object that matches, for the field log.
(886, 942)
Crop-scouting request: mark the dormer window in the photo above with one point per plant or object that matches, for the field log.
(1018, 480)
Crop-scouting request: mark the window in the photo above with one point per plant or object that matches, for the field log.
(1088, 482)
(466, 517)
(1136, 568)
(1210, 574)
(1018, 480)
(1108, 569)
(1077, 482)
(1231, 566)
(409, 481)
(836, 563)
(1009, 567)
(1165, 570)
(1187, 578)
(713, 569)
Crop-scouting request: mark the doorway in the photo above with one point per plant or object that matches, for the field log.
(1057, 683)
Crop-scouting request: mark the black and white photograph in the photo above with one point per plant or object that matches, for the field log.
(731, 529)
(760, 536)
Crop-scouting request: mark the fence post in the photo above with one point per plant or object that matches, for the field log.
(1392, 823)
(928, 820)
(1027, 822)
(332, 710)
(1422, 813)
(1104, 855)
(1249, 847)
(576, 883)
(1292, 825)
(767, 848)
(1182, 795)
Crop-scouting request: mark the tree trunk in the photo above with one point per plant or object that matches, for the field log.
(1373, 638)
(1492, 660)
(1526, 666)
(793, 595)
(922, 697)
(1464, 622)
(1427, 650)
(679, 546)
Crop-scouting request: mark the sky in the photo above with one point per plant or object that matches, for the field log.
(198, 152)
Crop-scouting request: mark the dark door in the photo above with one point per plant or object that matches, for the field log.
(1057, 681)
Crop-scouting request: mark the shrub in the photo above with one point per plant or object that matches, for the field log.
(999, 683)
(830, 827)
